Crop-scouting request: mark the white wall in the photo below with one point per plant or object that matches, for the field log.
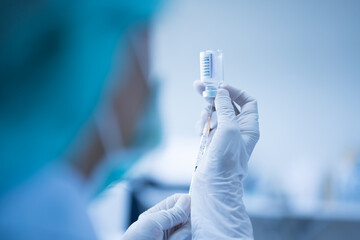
(300, 59)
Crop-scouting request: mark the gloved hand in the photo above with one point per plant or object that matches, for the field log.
(162, 220)
(217, 209)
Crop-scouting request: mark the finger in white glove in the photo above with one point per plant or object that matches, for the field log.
(247, 117)
(183, 233)
(168, 214)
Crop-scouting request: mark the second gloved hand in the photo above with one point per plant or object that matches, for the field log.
(162, 220)
(217, 209)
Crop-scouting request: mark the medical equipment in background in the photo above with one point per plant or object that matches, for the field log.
(212, 76)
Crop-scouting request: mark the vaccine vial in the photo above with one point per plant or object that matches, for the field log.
(211, 71)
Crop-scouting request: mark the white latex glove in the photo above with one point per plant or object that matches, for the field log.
(162, 220)
(217, 209)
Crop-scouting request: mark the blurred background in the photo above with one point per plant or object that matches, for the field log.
(301, 61)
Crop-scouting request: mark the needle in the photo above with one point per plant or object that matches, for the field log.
(203, 143)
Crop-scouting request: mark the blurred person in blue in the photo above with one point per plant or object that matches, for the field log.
(78, 110)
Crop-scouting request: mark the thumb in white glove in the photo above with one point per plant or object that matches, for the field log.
(161, 220)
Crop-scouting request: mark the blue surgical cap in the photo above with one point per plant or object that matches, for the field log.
(54, 59)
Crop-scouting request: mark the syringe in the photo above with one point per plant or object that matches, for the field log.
(203, 143)
(211, 75)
